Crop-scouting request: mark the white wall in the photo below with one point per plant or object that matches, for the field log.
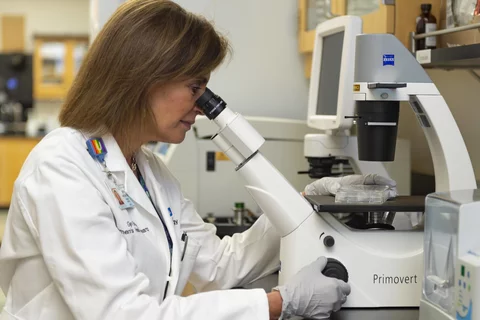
(100, 12)
(49, 16)
(265, 75)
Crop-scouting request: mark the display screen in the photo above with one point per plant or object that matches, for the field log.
(330, 74)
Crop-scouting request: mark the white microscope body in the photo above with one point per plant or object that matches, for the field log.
(331, 107)
(385, 267)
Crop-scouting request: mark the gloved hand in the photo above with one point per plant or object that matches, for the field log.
(312, 295)
(330, 185)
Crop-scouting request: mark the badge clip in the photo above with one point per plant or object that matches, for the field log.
(96, 148)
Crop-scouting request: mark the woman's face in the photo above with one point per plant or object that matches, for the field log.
(174, 108)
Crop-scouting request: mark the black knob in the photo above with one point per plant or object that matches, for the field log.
(335, 269)
(328, 241)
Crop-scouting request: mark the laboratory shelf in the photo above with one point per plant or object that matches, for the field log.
(460, 57)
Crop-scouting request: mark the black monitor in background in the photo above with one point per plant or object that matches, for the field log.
(16, 78)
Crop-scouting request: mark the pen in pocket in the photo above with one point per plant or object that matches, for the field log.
(185, 240)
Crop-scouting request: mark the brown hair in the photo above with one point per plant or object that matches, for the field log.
(145, 43)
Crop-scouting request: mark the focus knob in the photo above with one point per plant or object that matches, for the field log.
(335, 269)
(328, 241)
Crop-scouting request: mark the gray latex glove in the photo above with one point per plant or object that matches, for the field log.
(310, 294)
(330, 185)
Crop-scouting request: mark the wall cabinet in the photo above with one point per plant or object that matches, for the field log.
(56, 61)
(13, 152)
(378, 16)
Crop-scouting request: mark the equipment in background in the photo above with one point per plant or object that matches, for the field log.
(384, 267)
(331, 109)
(16, 93)
(208, 177)
(451, 280)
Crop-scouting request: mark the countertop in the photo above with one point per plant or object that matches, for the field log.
(376, 314)
(271, 281)
(19, 137)
(3, 219)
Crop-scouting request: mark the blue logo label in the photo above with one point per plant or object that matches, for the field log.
(389, 60)
(170, 212)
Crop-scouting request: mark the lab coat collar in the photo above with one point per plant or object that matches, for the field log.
(114, 159)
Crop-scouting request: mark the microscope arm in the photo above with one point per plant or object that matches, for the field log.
(284, 206)
(404, 79)
(451, 161)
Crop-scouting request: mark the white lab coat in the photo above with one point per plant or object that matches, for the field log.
(70, 252)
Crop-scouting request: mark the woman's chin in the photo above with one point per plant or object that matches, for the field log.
(175, 136)
(177, 139)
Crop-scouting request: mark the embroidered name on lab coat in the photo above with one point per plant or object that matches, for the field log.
(133, 228)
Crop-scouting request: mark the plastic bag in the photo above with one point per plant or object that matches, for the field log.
(461, 12)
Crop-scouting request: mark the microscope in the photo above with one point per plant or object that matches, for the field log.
(385, 74)
(383, 266)
(372, 262)
(334, 151)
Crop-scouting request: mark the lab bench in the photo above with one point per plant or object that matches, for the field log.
(271, 281)
(13, 152)
(3, 219)
(376, 314)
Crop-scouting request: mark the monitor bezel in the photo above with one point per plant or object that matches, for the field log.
(351, 26)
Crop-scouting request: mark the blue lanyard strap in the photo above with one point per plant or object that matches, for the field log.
(144, 186)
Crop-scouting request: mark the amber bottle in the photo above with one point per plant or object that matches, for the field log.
(426, 23)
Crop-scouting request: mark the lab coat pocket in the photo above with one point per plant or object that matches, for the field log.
(189, 257)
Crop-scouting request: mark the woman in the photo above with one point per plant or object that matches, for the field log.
(98, 228)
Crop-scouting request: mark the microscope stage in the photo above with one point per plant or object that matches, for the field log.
(399, 204)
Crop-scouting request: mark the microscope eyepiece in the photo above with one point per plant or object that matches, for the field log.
(211, 104)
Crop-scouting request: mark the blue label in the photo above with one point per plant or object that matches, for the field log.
(467, 316)
(389, 60)
(12, 84)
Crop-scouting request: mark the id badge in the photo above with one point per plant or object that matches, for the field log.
(123, 199)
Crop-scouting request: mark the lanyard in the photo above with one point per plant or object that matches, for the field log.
(170, 243)
(97, 150)
(144, 186)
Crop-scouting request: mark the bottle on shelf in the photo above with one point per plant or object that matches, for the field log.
(426, 23)
(239, 213)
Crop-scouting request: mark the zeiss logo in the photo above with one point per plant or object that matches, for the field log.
(389, 60)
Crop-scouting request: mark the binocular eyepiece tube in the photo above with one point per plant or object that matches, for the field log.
(211, 104)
